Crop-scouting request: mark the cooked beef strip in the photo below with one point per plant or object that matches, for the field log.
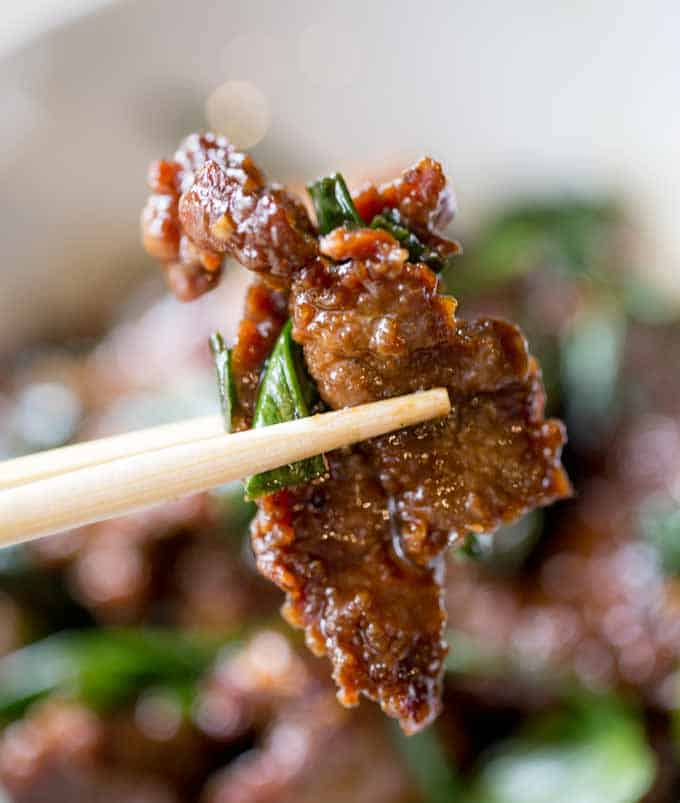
(359, 552)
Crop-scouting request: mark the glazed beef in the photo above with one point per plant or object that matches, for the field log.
(423, 198)
(264, 314)
(359, 553)
(190, 271)
(231, 212)
(333, 548)
(594, 606)
(211, 201)
(306, 746)
(61, 751)
(376, 327)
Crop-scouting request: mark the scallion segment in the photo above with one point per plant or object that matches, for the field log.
(286, 393)
(333, 203)
(102, 668)
(334, 207)
(390, 221)
(225, 379)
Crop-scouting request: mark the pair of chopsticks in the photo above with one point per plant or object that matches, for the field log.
(76, 485)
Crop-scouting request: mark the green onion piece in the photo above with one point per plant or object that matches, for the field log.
(286, 393)
(505, 551)
(660, 524)
(225, 379)
(475, 546)
(390, 220)
(593, 749)
(334, 207)
(332, 203)
(425, 759)
(591, 358)
(102, 668)
(572, 236)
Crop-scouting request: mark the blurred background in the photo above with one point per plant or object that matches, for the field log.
(143, 659)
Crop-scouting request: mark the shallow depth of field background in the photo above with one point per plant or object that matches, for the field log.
(560, 131)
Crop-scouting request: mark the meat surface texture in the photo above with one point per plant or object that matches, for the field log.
(359, 552)
(378, 616)
(211, 201)
(376, 328)
(264, 314)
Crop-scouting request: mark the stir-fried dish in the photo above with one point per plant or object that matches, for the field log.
(357, 547)
(143, 658)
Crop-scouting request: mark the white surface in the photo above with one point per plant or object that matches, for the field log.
(23, 20)
(509, 96)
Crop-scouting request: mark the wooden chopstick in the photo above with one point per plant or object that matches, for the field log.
(119, 486)
(39, 466)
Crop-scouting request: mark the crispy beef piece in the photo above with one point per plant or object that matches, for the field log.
(60, 752)
(190, 270)
(359, 553)
(377, 328)
(582, 608)
(265, 312)
(378, 617)
(306, 746)
(143, 568)
(314, 750)
(247, 687)
(491, 460)
(265, 228)
(423, 198)
(211, 201)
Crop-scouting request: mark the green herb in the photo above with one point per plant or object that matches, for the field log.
(471, 656)
(475, 546)
(236, 513)
(286, 393)
(660, 523)
(477, 658)
(103, 667)
(334, 207)
(590, 359)
(505, 551)
(648, 303)
(429, 765)
(593, 750)
(41, 593)
(225, 379)
(574, 236)
(333, 203)
(390, 220)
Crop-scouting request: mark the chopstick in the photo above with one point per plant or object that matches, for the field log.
(123, 485)
(39, 466)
